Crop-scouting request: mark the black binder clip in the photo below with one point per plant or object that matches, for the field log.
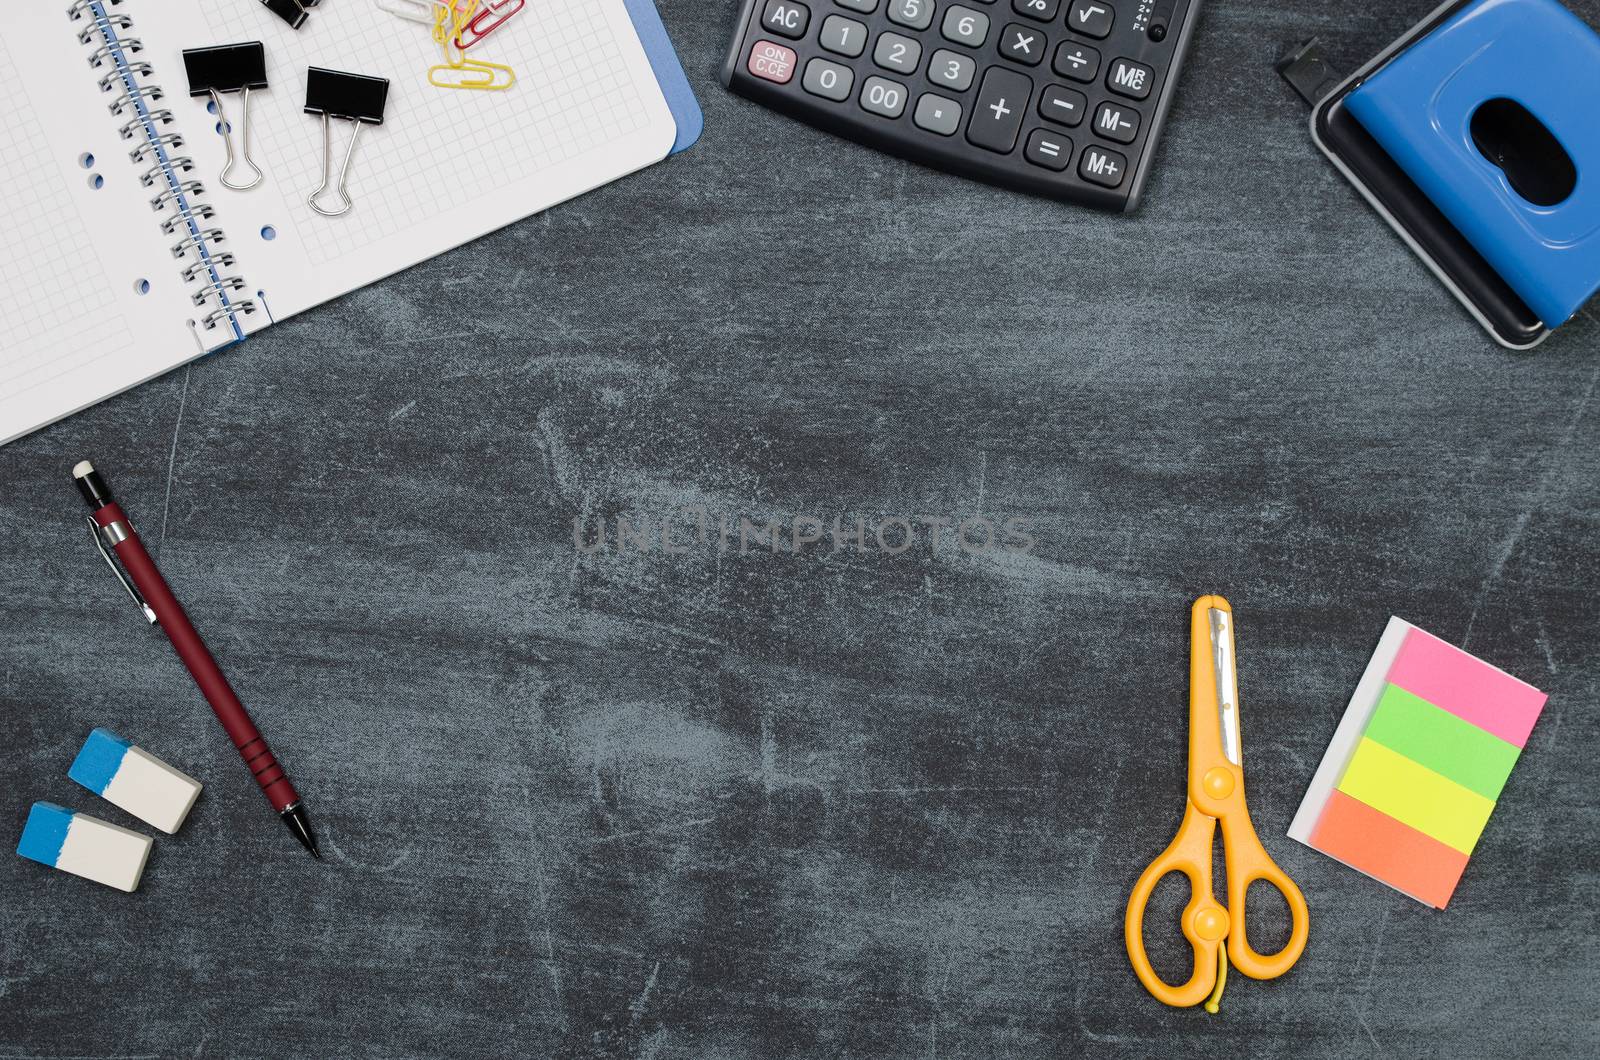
(291, 11)
(355, 98)
(229, 68)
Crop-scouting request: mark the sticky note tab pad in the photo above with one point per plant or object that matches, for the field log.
(134, 780)
(84, 846)
(1417, 763)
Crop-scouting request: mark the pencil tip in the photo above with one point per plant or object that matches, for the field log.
(300, 824)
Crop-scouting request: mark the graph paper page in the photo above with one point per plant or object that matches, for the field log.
(91, 301)
(446, 166)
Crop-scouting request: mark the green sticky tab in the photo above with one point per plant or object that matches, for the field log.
(1408, 724)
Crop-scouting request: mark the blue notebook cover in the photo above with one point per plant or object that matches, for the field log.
(1421, 105)
(669, 72)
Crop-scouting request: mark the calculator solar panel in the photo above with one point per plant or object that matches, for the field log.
(1060, 98)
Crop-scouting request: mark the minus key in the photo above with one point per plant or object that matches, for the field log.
(1062, 105)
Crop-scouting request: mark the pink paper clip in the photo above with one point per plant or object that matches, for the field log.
(494, 14)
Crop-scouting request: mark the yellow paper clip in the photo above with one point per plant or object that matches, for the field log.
(449, 16)
(450, 19)
(472, 74)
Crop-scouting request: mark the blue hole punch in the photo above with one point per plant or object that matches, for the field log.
(1474, 135)
(1493, 115)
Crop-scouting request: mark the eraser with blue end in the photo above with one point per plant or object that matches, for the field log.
(1492, 115)
(84, 846)
(134, 780)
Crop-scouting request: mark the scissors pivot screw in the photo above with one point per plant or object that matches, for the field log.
(1217, 783)
(1211, 924)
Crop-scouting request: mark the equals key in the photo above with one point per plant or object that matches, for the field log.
(1048, 149)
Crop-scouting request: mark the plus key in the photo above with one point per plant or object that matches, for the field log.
(1001, 105)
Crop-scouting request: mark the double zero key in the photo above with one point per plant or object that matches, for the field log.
(997, 114)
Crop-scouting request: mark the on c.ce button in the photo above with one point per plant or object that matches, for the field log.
(772, 62)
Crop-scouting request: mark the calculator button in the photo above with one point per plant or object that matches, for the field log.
(787, 17)
(997, 115)
(879, 95)
(1092, 18)
(1023, 44)
(1048, 149)
(1062, 105)
(864, 6)
(894, 52)
(1043, 10)
(828, 80)
(937, 114)
(772, 62)
(918, 14)
(1099, 166)
(1131, 79)
(1077, 61)
(844, 36)
(1116, 122)
(965, 26)
(952, 69)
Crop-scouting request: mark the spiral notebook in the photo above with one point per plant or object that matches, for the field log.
(118, 268)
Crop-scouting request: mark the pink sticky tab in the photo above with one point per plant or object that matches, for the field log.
(1467, 687)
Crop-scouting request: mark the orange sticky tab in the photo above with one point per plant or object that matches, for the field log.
(1388, 851)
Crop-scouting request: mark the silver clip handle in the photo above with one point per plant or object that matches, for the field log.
(105, 554)
(327, 170)
(244, 137)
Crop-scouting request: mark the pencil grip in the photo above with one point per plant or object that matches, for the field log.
(202, 667)
(268, 773)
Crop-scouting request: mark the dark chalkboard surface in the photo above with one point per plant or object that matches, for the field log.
(598, 802)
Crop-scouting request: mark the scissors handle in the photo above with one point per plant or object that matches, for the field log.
(1204, 922)
(1248, 861)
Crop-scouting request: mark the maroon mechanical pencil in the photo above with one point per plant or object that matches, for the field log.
(110, 526)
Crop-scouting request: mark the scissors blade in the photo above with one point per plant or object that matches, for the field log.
(1223, 668)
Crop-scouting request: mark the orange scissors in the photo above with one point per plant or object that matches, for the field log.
(1216, 793)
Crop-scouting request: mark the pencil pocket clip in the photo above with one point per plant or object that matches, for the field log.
(238, 68)
(355, 98)
(116, 532)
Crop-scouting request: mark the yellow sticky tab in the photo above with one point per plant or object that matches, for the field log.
(1416, 796)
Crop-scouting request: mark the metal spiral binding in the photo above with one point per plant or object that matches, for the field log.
(165, 173)
(158, 144)
(108, 82)
(179, 164)
(156, 117)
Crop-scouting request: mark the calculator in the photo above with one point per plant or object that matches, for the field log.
(1060, 98)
